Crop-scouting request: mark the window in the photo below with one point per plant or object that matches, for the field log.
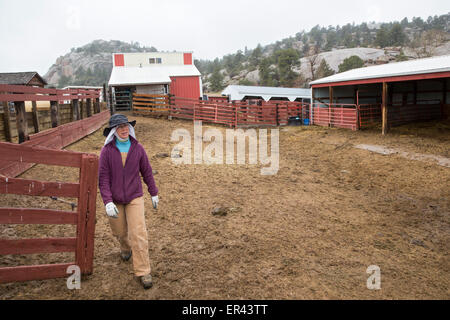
(155, 60)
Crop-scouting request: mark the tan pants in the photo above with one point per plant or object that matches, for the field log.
(131, 231)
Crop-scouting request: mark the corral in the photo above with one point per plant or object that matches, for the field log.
(309, 231)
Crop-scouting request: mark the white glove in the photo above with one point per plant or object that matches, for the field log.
(155, 201)
(111, 210)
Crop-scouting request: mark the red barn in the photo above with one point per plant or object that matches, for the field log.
(154, 73)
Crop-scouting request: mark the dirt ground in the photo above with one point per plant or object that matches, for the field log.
(308, 232)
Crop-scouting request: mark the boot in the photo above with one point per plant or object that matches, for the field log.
(146, 281)
(125, 255)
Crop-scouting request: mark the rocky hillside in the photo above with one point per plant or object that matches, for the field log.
(89, 65)
(291, 62)
(297, 60)
(333, 59)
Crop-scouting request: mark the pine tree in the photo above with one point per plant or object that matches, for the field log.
(324, 70)
(396, 35)
(350, 63)
(382, 39)
(216, 81)
(256, 56)
(286, 60)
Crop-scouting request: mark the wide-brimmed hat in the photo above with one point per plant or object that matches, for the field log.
(116, 120)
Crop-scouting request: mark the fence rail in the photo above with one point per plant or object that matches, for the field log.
(27, 93)
(153, 104)
(335, 115)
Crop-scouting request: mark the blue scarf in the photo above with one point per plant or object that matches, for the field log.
(123, 146)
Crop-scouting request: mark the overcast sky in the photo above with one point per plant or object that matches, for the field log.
(35, 33)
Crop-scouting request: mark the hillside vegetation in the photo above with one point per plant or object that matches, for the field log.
(291, 62)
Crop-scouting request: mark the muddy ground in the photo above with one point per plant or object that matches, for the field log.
(308, 232)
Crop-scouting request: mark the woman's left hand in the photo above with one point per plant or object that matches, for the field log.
(155, 201)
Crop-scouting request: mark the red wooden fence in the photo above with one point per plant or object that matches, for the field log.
(238, 113)
(56, 138)
(86, 192)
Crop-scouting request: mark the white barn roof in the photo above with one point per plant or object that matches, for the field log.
(150, 75)
(406, 68)
(239, 92)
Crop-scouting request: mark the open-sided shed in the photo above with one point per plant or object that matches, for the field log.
(390, 94)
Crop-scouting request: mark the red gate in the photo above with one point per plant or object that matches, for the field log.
(84, 218)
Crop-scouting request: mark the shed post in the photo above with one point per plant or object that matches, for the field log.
(111, 102)
(444, 91)
(385, 125)
(356, 100)
(330, 108)
(21, 119)
(35, 116)
(311, 108)
(7, 121)
(415, 93)
(444, 98)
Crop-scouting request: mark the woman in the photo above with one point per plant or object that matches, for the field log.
(121, 160)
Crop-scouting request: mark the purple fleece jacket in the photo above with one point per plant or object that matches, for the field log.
(121, 184)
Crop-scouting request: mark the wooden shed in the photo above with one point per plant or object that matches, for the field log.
(22, 78)
(387, 95)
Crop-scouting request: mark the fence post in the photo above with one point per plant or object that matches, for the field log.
(84, 255)
(7, 121)
(105, 94)
(54, 106)
(89, 107)
(76, 109)
(82, 107)
(277, 120)
(21, 120)
(170, 102)
(35, 117)
(384, 111)
(97, 105)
